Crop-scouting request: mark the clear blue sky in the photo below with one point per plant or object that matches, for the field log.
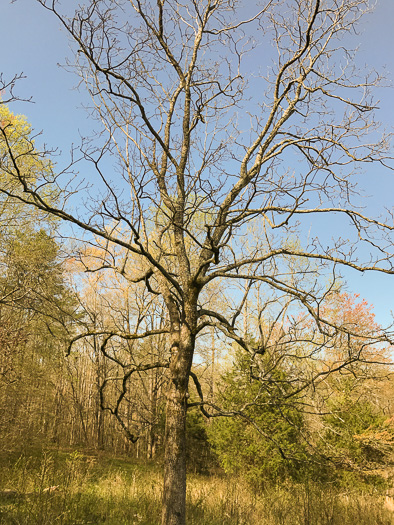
(33, 43)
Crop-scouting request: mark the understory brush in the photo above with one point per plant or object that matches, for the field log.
(72, 488)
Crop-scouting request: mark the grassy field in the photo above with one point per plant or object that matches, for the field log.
(71, 488)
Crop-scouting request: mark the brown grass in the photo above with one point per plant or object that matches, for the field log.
(98, 490)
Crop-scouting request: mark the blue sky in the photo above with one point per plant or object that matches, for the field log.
(33, 43)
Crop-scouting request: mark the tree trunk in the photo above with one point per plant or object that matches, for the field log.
(174, 492)
(153, 415)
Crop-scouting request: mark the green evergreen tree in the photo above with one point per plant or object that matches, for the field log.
(264, 442)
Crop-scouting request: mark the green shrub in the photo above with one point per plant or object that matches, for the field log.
(264, 442)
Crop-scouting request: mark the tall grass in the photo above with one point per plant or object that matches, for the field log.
(51, 488)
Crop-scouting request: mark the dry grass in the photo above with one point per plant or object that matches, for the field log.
(98, 490)
(230, 501)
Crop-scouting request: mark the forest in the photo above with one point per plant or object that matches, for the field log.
(178, 342)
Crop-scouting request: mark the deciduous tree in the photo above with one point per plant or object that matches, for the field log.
(195, 134)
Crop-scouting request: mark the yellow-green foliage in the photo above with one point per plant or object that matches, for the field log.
(26, 165)
(16, 136)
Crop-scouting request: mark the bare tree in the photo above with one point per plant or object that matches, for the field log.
(206, 148)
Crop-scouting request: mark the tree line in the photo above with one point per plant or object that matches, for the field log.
(70, 376)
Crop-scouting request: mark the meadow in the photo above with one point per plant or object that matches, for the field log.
(73, 488)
